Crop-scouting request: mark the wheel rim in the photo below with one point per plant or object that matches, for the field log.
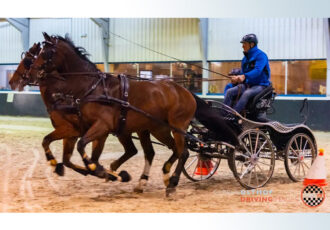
(300, 156)
(254, 164)
(196, 161)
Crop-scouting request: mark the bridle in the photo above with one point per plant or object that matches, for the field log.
(45, 68)
(25, 80)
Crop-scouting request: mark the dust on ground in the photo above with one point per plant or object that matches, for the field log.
(28, 184)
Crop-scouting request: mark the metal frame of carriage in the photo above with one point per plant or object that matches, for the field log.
(261, 143)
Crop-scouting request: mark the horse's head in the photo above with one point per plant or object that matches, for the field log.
(20, 77)
(61, 55)
(47, 60)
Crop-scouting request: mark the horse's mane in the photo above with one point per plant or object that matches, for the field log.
(80, 51)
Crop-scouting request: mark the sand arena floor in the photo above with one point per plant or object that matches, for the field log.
(28, 184)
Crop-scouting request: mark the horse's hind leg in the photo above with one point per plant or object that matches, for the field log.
(181, 148)
(149, 154)
(164, 136)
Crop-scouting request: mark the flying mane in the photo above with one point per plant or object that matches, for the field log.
(80, 51)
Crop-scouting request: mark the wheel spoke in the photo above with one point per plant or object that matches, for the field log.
(295, 141)
(294, 172)
(245, 171)
(297, 154)
(255, 148)
(246, 149)
(207, 166)
(250, 143)
(263, 144)
(193, 172)
(191, 163)
(305, 164)
(305, 146)
(261, 170)
(264, 163)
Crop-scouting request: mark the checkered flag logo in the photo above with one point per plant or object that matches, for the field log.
(312, 195)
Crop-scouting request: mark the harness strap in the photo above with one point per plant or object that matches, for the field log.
(124, 87)
(103, 99)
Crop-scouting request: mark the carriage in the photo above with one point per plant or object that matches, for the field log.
(262, 142)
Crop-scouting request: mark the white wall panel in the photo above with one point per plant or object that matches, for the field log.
(52, 26)
(175, 37)
(11, 45)
(280, 38)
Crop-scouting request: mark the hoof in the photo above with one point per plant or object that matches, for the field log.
(125, 177)
(170, 192)
(53, 162)
(59, 170)
(138, 189)
(109, 177)
(166, 179)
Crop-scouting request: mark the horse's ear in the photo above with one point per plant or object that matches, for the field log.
(38, 47)
(46, 36)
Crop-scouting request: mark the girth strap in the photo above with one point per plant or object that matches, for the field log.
(124, 87)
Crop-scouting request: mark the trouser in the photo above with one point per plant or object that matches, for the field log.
(246, 94)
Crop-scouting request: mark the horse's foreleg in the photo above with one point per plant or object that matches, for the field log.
(98, 131)
(57, 134)
(149, 154)
(68, 147)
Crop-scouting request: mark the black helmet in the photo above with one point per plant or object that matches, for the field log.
(250, 38)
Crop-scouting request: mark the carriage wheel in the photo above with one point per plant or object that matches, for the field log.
(200, 167)
(300, 153)
(253, 164)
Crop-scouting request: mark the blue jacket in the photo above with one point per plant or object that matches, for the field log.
(255, 67)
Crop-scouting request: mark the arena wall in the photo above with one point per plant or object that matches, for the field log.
(286, 110)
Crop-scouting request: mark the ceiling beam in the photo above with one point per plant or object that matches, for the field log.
(22, 25)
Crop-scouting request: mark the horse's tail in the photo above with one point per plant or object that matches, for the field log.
(213, 121)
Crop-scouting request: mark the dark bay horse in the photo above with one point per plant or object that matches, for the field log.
(67, 125)
(164, 100)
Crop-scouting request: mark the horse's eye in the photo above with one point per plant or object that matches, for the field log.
(27, 63)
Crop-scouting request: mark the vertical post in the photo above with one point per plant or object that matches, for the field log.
(326, 25)
(171, 69)
(286, 78)
(137, 69)
(22, 25)
(103, 23)
(203, 39)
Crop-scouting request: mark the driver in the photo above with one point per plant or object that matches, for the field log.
(253, 77)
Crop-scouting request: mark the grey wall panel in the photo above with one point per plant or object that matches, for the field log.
(175, 37)
(11, 45)
(280, 38)
(87, 34)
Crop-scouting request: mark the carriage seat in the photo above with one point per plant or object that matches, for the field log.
(258, 106)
